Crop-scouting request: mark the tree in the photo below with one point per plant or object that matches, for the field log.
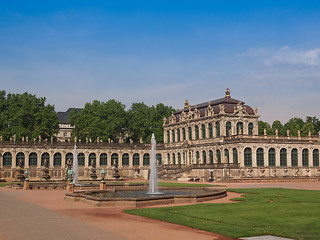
(315, 122)
(277, 125)
(25, 115)
(306, 128)
(264, 125)
(100, 119)
(294, 124)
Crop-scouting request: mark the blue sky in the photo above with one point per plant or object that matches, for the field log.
(72, 52)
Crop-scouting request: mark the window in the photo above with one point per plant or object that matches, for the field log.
(159, 159)
(136, 159)
(239, 128)
(235, 155)
(272, 157)
(218, 156)
(190, 133)
(173, 158)
(125, 159)
(250, 128)
(57, 159)
(33, 159)
(114, 159)
(211, 156)
(103, 159)
(203, 130)
(217, 129)
(168, 156)
(294, 157)
(316, 158)
(146, 159)
(178, 135)
(247, 157)
(173, 136)
(7, 159)
(305, 157)
(228, 129)
(45, 159)
(20, 159)
(197, 157)
(92, 159)
(197, 132)
(168, 136)
(81, 159)
(283, 157)
(179, 158)
(184, 134)
(260, 160)
(69, 157)
(204, 157)
(226, 155)
(210, 130)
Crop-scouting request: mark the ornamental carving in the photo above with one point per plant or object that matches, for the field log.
(172, 118)
(209, 111)
(221, 109)
(240, 110)
(196, 113)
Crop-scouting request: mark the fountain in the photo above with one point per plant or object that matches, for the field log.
(153, 178)
(137, 195)
(75, 166)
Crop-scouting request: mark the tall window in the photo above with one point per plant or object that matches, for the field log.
(218, 156)
(168, 136)
(57, 159)
(210, 130)
(228, 129)
(7, 159)
(159, 159)
(211, 156)
(283, 157)
(226, 154)
(92, 159)
(174, 158)
(103, 159)
(45, 159)
(114, 159)
(305, 157)
(69, 157)
(125, 159)
(217, 129)
(183, 134)
(197, 157)
(179, 158)
(190, 133)
(20, 159)
(81, 159)
(239, 128)
(33, 159)
(272, 157)
(146, 159)
(294, 157)
(136, 159)
(178, 135)
(204, 157)
(197, 132)
(260, 160)
(203, 130)
(316, 158)
(250, 128)
(235, 155)
(168, 156)
(247, 157)
(173, 136)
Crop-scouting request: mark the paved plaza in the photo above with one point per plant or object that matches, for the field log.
(44, 214)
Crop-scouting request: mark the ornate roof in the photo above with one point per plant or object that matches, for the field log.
(226, 105)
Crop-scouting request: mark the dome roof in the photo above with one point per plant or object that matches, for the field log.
(230, 106)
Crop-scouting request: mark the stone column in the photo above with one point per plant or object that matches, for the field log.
(120, 154)
(26, 159)
(14, 159)
(289, 157)
(130, 159)
(299, 157)
(214, 130)
(266, 157)
(254, 157)
(310, 156)
(86, 158)
(277, 150)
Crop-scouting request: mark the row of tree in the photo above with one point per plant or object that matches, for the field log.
(311, 124)
(25, 115)
(110, 121)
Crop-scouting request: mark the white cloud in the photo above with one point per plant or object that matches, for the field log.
(286, 55)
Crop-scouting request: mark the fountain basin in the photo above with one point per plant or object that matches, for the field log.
(140, 198)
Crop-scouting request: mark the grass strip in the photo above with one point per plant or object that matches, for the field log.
(286, 213)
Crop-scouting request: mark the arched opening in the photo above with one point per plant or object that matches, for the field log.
(92, 159)
(226, 155)
(173, 159)
(7, 159)
(57, 159)
(81, 159)
(20, 159)
(173, 136)
(217, 129)
(136, 159)
(210, 130)
(33, 158)
(250, 128)
(179, 159)
(247, 157)
(114, 159)
(294, 157)
(125, 159)
(103, 159)
(45, 159)
(228, 129)
(239, 128)
(146, 159)
(178, 135)
(315, 158)
(218, 153)
(197, 157)
(204, 157)
(272, 157)
(305, 157)
(283, 157)
(159, 159)
(197, 132)
(211, 156)
(203, 130)
(235, 155)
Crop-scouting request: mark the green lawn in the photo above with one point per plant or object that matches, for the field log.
(3, 184)
(281, 212)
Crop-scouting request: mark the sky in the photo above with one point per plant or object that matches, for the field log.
(73, 52)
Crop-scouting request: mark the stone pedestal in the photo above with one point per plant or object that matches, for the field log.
(71, 188)
(103, 186)
(67, 187)
(26, 185)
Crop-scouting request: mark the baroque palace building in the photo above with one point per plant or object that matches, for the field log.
(214, 140)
